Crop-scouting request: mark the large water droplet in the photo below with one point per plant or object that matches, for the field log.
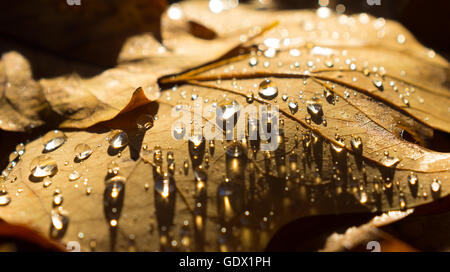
(389, 161)
(267, 89)
(235, 150)
(20, 148)
(165, 186)
(378, 83)
(228, 111)
(356, 144)
(57, 199)
(314, 108)
(53, 140)
(178, 131)
(118, 139)
(329, 96)
(4, 199)
(43, 166)
(82, 151)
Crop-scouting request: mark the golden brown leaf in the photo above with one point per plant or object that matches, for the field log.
(239, 197)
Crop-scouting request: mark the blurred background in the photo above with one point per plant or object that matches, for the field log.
(427, 20)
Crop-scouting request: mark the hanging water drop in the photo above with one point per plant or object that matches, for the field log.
(5, 199)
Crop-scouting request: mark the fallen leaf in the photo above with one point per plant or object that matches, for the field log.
(22, 101)
(167, 194)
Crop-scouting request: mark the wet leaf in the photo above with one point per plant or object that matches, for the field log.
(340, 146)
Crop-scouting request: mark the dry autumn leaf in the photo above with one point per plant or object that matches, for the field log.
(345, 108)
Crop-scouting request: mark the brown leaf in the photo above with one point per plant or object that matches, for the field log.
(240, 197)
(22, 101)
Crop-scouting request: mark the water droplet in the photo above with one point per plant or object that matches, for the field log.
(253, 61)
(267, 89)
(315, 110)
(227, 111)
(178, 131)
(366, 72)
(53, 140)
(235, 150)
(378, 83)
(165, 186)
(363, 198)
(401, 39)
(212, 147)
(186, 167)
(57, 199)
(270, 52)
(402, 202)
(43, 166)
(405, 101)
(356, 144)
(293, 106)
(435, 185)
(47, 183)
(249, 98)
(412, 179)
(60, 222)
(82, 151)
(117, 139)
(329, 63)
(145, 122)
